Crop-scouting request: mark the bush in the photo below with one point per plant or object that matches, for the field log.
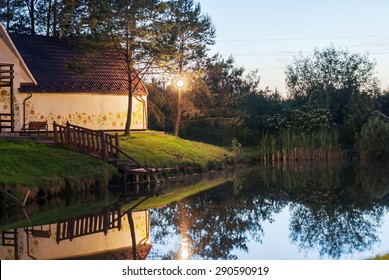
(373, 139)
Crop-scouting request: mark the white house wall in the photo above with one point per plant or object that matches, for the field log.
(94, 111)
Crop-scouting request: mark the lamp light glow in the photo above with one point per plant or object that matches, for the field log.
(180, 83)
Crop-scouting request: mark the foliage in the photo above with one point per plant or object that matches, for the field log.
(303, 118)
(330, 69)
(373, 139)
(190, 33)
(383, 102)
(237, 149)
(210, 105)
(341, 82)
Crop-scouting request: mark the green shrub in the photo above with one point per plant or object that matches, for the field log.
(374, 139)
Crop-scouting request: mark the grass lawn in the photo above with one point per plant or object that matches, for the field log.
(161, 150)
(33, 165)
(24, 163)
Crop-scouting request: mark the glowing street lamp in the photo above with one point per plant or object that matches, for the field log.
(180, 84)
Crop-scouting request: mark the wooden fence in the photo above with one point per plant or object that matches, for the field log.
(89, 224)
(94, 142)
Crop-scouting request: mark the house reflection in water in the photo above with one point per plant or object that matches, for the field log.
(108, 234)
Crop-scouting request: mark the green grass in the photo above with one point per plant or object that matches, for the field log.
(156, 150)
(34, 165)
(381, 257)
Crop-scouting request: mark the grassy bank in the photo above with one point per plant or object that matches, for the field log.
(161, 150)
(35, 165)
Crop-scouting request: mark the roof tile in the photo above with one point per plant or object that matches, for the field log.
(58, 67)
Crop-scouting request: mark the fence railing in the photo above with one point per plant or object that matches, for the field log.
(89, 141)
(89, 224)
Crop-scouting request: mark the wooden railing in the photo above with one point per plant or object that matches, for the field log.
(86, 140)
(94, 142)
(89, 224)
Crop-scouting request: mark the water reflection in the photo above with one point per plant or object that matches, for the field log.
(117, 231)
(299, 210)
(335, 209)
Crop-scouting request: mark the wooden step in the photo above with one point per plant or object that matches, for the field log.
(6, 77)
(6, 126)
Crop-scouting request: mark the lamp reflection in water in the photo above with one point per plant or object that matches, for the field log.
(184, 251)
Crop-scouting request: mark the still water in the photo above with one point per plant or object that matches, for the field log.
(301, 210)
(295, 211)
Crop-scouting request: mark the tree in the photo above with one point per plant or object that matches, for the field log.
(330, 70)
(189, 33)
(373, 139)
(211, 107)
(342, 82)
(134, 29)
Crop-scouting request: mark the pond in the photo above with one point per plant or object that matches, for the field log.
(299, 210)
(303, 210)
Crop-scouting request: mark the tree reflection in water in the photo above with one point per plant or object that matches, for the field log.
(335, 209)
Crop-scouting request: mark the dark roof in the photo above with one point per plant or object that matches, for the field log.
(59, 67)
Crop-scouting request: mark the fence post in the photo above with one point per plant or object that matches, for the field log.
(104, 146)
(68, 136)
(55, 133)
(117, 145)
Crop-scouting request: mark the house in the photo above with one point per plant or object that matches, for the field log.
(54, 81)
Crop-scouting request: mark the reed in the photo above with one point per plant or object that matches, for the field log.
(295, 145)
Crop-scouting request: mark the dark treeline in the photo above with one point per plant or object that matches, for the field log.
(334, 105)
(334, 102)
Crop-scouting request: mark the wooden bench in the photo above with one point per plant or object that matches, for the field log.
(35, 127)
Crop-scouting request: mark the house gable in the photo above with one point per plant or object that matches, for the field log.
(10, 55)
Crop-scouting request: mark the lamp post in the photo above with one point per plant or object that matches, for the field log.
(179, 83)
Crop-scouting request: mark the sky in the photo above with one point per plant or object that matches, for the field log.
(267, 34)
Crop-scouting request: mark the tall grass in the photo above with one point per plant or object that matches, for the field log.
(294, 145)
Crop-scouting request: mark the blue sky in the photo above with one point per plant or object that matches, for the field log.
(267, 34)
